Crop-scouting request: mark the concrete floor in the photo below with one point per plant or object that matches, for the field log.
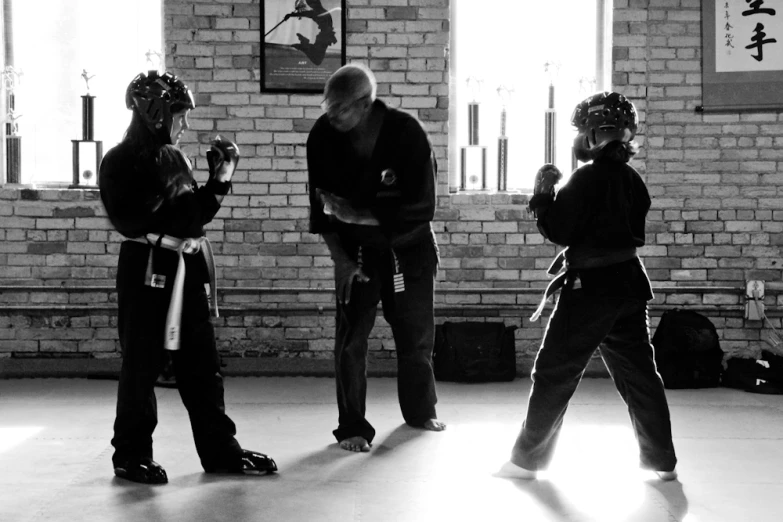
(55, 458)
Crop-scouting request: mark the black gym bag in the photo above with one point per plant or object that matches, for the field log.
(687, 350)
(474, 352)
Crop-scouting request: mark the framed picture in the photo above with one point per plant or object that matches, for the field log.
(742, 46)
(302, 44)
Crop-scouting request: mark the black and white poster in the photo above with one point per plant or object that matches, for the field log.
(303, 43)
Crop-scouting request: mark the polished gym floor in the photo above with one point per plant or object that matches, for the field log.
(55, 458)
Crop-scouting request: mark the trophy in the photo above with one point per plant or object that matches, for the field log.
(13, 141)
(87, 153)
(473, 173)
(504, 93)
(550, 133)
(586, 87)
(154, 60)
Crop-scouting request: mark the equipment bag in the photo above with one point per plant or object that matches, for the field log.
(474, 352)
(763, 375)
(687, 350)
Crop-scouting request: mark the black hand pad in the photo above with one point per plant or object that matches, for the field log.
(546, 178)
(226, 150)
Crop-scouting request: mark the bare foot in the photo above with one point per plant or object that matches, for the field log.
(358, 444)
(434, 425)
(511, 470)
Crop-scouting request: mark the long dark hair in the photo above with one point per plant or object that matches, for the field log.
(141, 139)
(172, 168)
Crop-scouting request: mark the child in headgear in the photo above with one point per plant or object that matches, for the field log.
(599, 216)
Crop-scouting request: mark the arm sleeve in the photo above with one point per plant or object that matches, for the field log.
(317, 170)
(561, 218)
(417, 178)
(187, 214)
(129, 199)
(136, 206)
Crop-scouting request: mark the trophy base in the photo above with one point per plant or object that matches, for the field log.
(473, 173)
(87, 155)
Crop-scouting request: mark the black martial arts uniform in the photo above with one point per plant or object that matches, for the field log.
(600, 216)
(400, 257)
(133, 194)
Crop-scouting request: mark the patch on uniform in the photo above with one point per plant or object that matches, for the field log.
(388, 178)
(157, 281)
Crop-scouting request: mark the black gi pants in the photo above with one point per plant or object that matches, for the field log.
(578, 325)
(411, 316)
(196, 365)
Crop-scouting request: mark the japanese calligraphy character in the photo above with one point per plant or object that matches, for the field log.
(755, 8)
(758, 41)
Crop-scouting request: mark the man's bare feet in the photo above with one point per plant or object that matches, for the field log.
(358, 444)
(434, 425)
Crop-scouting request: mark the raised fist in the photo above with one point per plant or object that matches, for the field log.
(546, 179)
(222, 157)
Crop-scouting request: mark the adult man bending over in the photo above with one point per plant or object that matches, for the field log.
(372, 180)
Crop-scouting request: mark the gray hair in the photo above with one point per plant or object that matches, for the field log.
(350, 82)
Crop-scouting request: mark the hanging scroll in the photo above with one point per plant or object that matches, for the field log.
(742, 44)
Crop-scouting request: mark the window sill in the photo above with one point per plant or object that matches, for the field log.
(51, 185)
(490, 197)
(47, 192)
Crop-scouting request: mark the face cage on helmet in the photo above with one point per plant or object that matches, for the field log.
(617, 118)
(152, 97)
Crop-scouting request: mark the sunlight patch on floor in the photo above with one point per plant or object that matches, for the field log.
(13, 436)
(596, 468)
(594, 474)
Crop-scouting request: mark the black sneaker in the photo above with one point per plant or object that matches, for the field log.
(142, 470)
(247, 463)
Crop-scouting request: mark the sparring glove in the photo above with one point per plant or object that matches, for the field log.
(546, 179)
(222, 158)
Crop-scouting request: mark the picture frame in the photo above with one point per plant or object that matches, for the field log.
(302, 44)
(742, 55)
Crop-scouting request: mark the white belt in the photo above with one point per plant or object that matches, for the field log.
(181, 246)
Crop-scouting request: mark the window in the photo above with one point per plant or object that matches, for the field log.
(52, 43)
(525, 47)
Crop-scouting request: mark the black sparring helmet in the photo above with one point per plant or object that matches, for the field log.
(605, 117)
(153, 96)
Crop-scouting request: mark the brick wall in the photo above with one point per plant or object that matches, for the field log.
(714, 181)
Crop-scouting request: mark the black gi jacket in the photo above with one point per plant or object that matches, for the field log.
(604, 206)
(132, 193)
(404, 203)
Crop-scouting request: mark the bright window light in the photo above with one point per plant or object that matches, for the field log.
(53, 43)
(508, 44)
